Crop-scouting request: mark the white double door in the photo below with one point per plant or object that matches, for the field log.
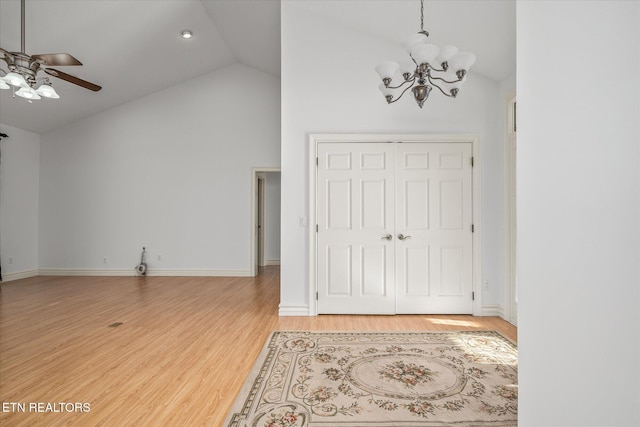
(394, 228)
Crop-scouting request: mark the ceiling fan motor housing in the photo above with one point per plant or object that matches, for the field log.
(21, 63)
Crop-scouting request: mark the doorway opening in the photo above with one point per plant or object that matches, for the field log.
(265, 218)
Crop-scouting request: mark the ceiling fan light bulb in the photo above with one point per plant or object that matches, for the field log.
(186, 34)
(47, 91)
(28, 93)
(16, 80)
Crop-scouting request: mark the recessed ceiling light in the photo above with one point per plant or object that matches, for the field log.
(186, 34)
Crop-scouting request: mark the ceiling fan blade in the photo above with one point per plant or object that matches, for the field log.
(72, 79)
(57, 59)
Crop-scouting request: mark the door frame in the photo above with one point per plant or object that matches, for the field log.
(510, 288)
(260, 199)
(253, 271)
(315, 139)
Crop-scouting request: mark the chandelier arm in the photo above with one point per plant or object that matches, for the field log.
(446, 81)
(412, 80)
(441, 90)
(403, 92)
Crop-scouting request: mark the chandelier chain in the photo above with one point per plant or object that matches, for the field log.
(421, 15)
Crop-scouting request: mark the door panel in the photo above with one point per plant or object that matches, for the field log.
(416, 209)
(355, 211)
(338, 202)
(416, 264)
(374, 261)
(451, 205)
(452, 269)
(372, 211)
(338, 270)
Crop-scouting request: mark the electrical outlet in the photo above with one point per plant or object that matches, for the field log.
(10, 260)
(486, 285)
(159, 257)
(105, 260)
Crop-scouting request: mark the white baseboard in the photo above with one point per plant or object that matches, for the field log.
(8, 277)
(272, 262)
(132, 272)
(203, 273)
(293, 310)
(492, 310)
(84, 272)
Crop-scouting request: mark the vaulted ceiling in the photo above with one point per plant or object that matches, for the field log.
(132, 47)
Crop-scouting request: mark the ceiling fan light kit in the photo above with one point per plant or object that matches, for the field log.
(428, 67)
(22, 70)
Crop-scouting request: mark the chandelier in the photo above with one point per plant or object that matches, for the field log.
(428, 67)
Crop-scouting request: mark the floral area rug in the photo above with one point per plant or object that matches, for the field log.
(382, 379)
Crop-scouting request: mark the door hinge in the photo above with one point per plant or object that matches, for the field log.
(473, 228)
(316, 296)
(316, 228)
(473, 296)
(472, 162)
(316, 161)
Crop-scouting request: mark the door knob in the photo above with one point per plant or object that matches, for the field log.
(387, 237)
(403, 237)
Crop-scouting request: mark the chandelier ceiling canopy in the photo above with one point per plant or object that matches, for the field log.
(427, 67)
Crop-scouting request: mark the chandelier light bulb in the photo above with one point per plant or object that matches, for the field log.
(446, 53)
(3, 84)
(386, 70)
(462, 61)
(425, 53)
(413, 41)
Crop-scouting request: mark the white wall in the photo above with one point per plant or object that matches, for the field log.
(19, 202)
(272, 218)
(170, 171)
(579, 213)
(339, 94)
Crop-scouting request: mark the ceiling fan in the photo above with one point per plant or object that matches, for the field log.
(24, 69)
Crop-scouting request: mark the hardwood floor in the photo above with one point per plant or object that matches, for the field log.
(183, 350)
